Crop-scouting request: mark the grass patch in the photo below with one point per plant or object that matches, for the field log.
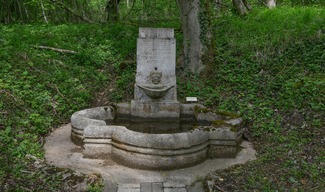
(40, 89)
(269, 67)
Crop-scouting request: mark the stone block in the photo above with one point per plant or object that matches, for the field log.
(145, 187)
(222, 134)
(97, 151)
(174, 185)
(187, 111)
(123, 110)
(175, 190)
(157, 187)
(161, 33)
(155, 110)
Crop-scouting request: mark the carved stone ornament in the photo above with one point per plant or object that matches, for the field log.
(155, 76)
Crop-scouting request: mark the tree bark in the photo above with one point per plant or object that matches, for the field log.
(189, 11)
(43, 12)
(71, 11)
(270, 3)
(242, 6)
(112, 10)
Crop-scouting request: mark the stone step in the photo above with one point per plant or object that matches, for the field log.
(163, 187)
(150, 187)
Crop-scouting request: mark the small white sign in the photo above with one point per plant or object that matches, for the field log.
(191, 99)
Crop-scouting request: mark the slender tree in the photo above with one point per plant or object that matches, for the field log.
(242, 6)
(189, 13)
(270, 3)
(112, 10)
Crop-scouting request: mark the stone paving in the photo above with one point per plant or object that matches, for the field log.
(160, 187)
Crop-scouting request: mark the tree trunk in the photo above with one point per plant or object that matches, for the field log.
(112, 10)
(189, 11)
(43, 11)
(242, 6)
(270, 3)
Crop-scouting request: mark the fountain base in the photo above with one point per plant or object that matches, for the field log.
(159, 151)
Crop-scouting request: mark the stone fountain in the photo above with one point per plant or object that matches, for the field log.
(155, 131)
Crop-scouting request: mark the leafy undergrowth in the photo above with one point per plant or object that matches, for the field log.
(269, 67)
(41, 88)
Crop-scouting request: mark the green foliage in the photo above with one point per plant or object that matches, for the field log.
(150, 12)
(269, 67)
(301, 2)
(40, 88)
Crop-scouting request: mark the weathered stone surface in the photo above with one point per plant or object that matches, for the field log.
(188, 112)
(81, 119)
(145, 187)
(93, 131)
(161, 141)
(197, 187)
(235, 122)
(97, 150)
(151, 187)
(208, 116)
(157, 187)
(157, 162)
(110, 186)
(156, 53)
(161, 33)
(155, 84)
(81, 122)
(155, 110)
(222, 151)
(174, 185)
(223, 134)
(129, 188)
(175, 190)
(123, 110)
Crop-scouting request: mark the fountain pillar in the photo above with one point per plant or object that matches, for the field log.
(155, 94)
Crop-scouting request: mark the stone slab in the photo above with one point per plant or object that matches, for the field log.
(161, 33)
(155, 110)
(197, 187)
(145, 187)
(174, 185)
(175, 190)
(157, 187)
(156, 55)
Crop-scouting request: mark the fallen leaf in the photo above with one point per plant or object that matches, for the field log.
(303, 181)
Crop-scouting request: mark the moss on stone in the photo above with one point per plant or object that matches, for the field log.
(198, 109)
(227, 115)
(219, 123)
(222, 123)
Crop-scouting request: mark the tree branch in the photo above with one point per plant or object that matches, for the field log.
(55, 49)
(82, 17)
(130, 10)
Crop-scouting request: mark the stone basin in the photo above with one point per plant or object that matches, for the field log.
(153, 151)
(155, 91)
